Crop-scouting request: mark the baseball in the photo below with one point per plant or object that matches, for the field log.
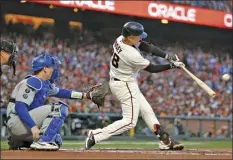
(226, 77)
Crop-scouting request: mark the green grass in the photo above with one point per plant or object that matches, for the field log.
(141, 144)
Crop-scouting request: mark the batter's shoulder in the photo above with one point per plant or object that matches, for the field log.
(34, 83)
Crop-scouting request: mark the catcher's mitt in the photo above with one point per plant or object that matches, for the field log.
(98, 92)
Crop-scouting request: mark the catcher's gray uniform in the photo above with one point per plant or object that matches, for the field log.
(26, 110)
(19, 131)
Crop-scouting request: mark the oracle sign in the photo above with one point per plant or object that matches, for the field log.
(151, 9)
(228, 20)
(100, 4)
(177, 12)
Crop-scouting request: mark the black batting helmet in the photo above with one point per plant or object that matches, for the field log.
(133, 29)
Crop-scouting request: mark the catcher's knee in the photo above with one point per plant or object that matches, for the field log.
(64, 110)
(60, 110)
(52, 124)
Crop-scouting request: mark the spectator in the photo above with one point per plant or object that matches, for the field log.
(85, 62)
(179, 127)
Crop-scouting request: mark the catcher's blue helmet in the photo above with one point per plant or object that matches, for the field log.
(133, 29)
(42, 61)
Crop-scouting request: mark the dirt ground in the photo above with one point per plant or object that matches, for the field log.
(112, 153)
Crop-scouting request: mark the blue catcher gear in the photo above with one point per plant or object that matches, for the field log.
(58, 140)
(47, 61)
(55, 78)
(53, 123)
(34, 82)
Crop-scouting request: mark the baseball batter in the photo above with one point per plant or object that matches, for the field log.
(28, 118)
(125, 63)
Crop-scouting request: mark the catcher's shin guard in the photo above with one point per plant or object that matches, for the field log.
(53, 123)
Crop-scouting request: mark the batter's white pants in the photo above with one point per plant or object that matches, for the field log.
(132, 102)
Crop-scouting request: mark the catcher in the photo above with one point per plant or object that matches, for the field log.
(30, 122)
(8, 54)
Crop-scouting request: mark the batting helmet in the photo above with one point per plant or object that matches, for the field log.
(133, 29)
(42, 61)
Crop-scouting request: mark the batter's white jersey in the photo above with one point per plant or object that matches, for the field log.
(126, 61)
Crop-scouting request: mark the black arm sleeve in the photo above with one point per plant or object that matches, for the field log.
(157, 68)
(150, 48)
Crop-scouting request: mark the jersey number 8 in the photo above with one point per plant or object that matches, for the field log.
(115, 60)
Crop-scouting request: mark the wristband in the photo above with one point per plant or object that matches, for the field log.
(77, 95)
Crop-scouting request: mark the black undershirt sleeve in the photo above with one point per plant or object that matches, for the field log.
(150, 48)
(157, 68)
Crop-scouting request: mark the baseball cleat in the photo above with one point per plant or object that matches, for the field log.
(173, 145)
(90, 140)
(44, 146)
(176, 145)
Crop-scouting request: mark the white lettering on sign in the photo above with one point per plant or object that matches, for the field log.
(177, 12)
(100, 4)
(228, 20)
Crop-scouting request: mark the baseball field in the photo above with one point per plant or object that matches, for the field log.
(128, 149)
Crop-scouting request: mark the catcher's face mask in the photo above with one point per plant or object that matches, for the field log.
(12, 49)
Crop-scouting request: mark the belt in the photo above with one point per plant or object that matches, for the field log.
(116, 79)
(12, 100)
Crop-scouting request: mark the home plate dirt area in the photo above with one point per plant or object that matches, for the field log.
(114, 153)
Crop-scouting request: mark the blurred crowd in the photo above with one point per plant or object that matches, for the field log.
(85, 60)
(225, 5)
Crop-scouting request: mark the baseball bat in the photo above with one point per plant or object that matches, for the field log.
(200, 83)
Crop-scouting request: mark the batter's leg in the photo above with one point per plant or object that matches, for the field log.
(148, 115)
(126, 93)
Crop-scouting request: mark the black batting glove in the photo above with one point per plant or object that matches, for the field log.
(171, 57)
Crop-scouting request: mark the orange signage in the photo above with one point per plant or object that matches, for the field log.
(35, 21)
(153, 10)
